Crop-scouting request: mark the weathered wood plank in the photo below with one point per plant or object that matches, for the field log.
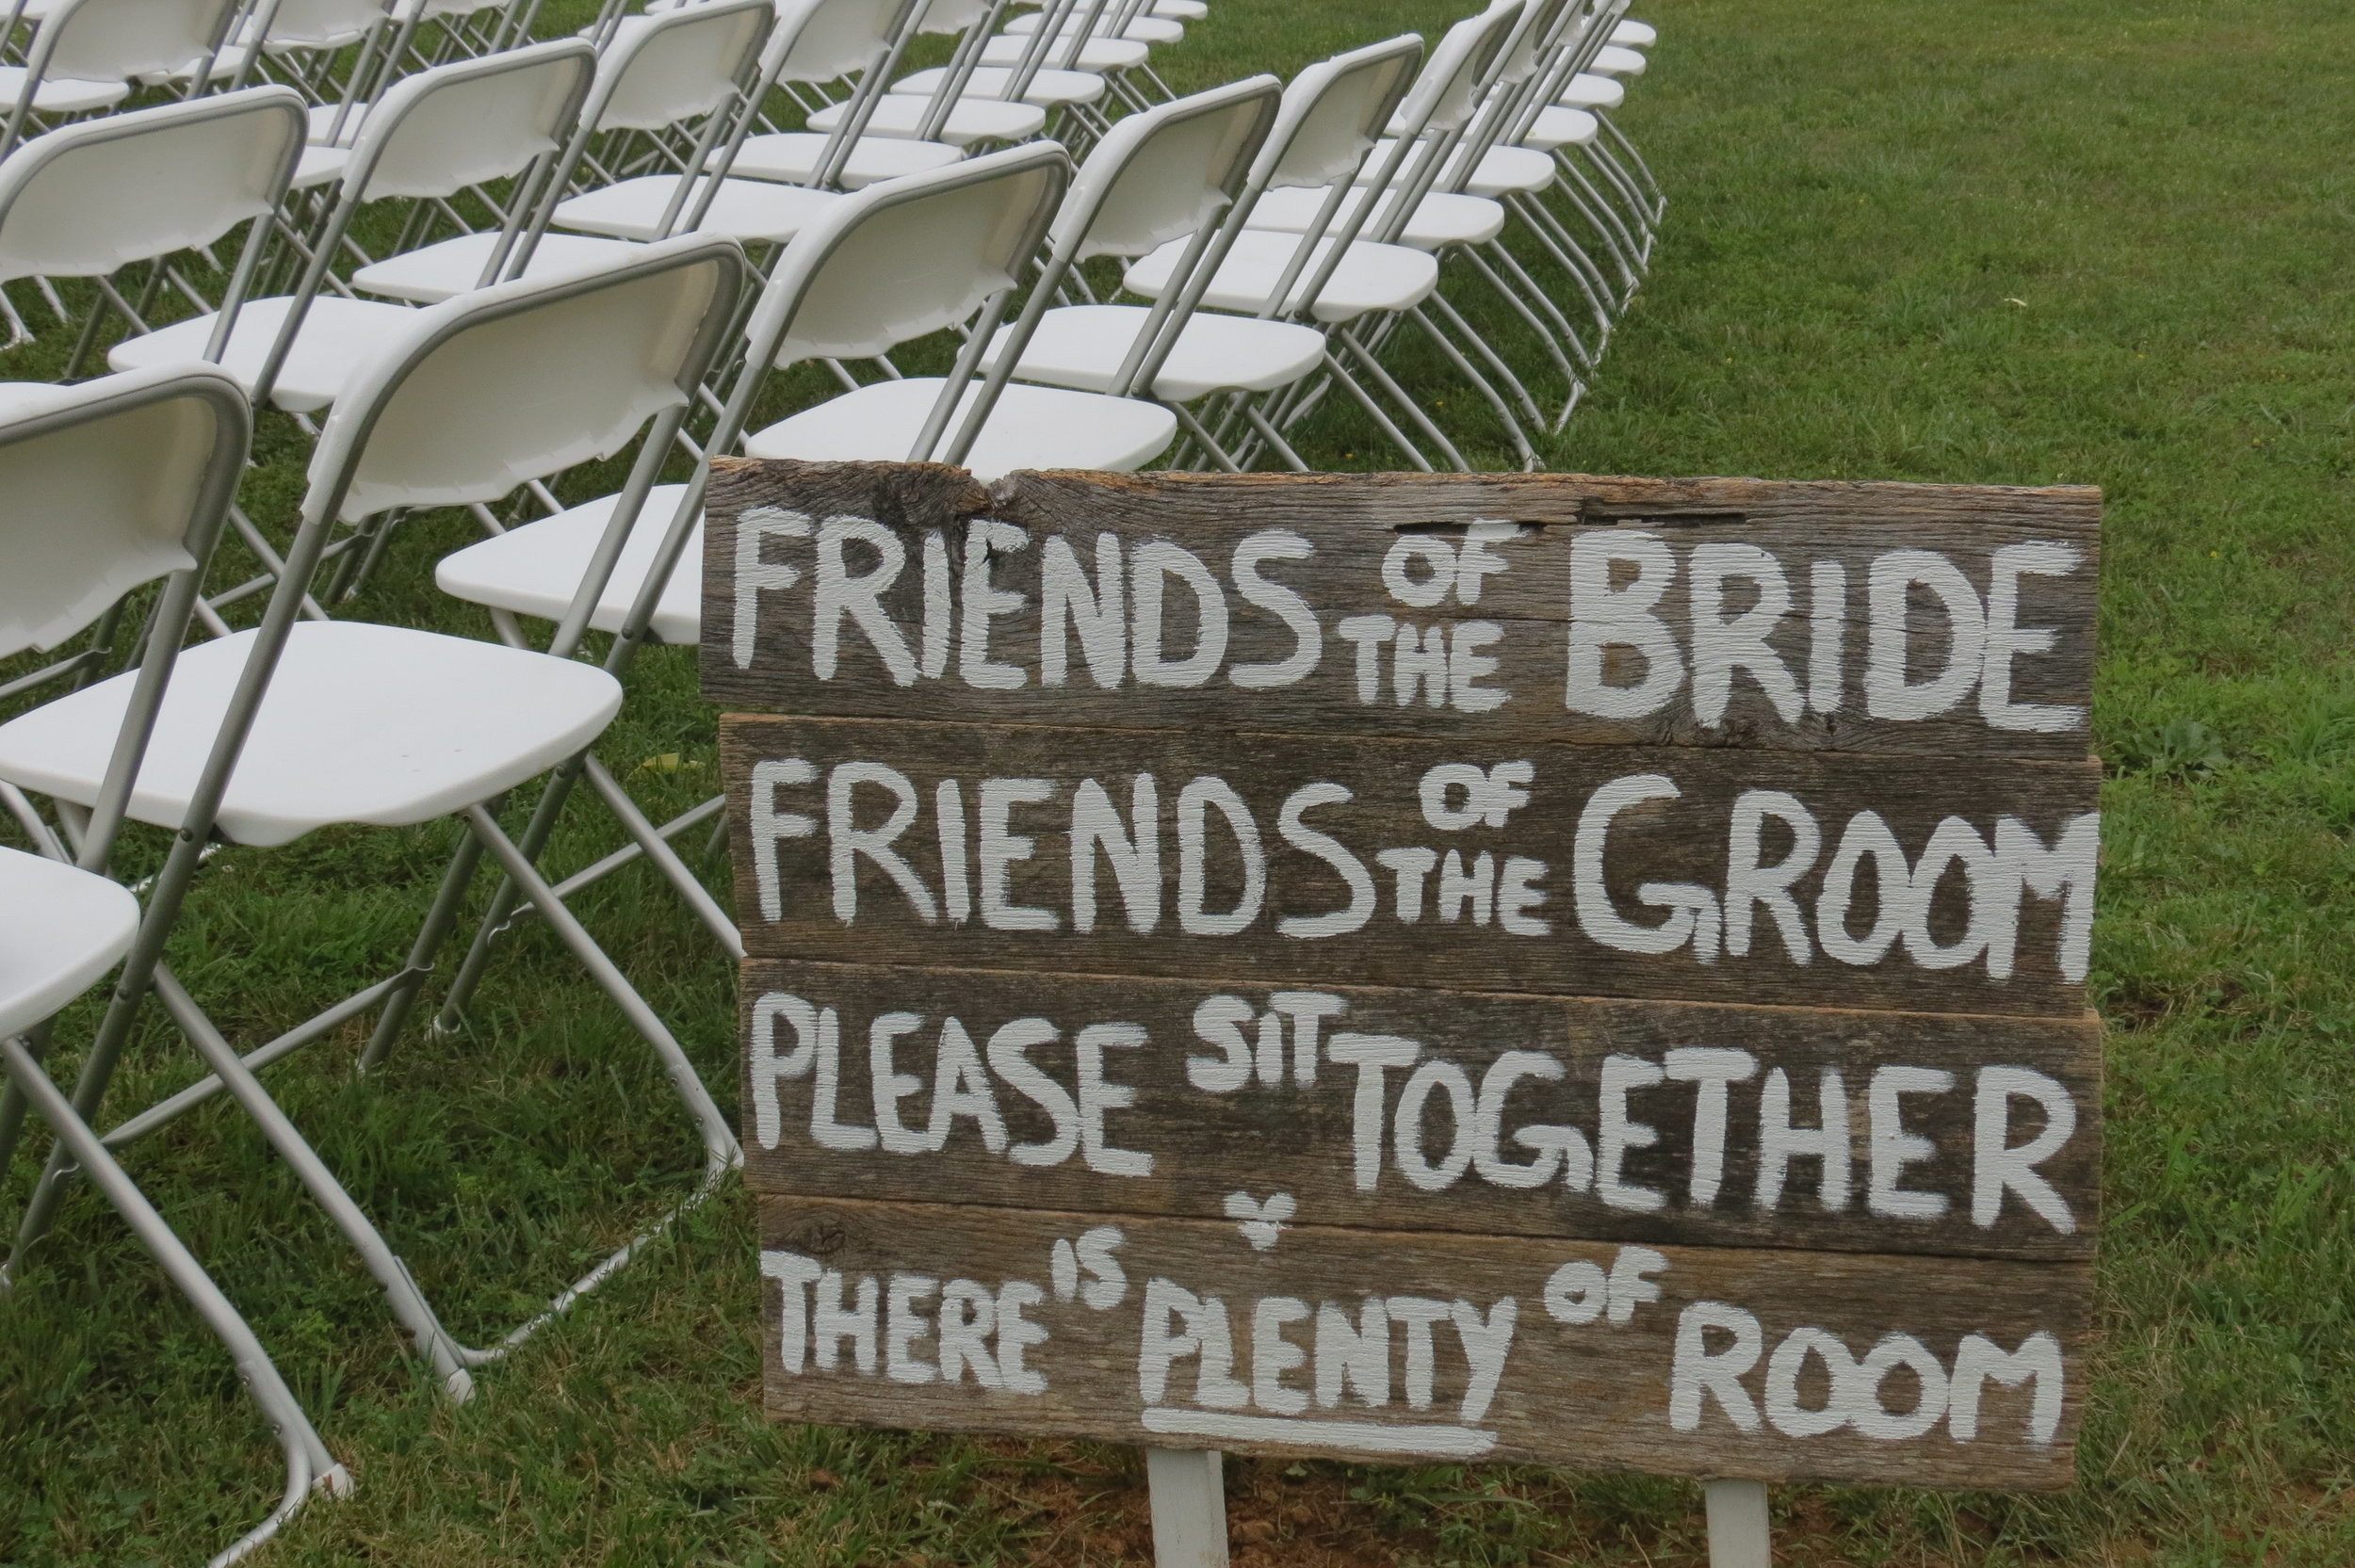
(1183, 1334)
(1553, 629)
(1198, 1089)
(1311, 862)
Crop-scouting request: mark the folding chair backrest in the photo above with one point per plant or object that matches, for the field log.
(680, 65)
(91, 198)
(318, 23)
(834, 38)
(1448, 89)
(113, 41)
(107, 486)
(1164, 172)
(1333, 110)
(908, 256)
(515, 382)
(459, 124)
(951, 16)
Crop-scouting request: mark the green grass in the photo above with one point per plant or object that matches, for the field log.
(2099, 241)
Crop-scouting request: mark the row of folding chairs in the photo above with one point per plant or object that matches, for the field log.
(1282, 237)
(537, 157)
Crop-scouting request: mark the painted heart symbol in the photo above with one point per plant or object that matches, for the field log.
(1260, 1223)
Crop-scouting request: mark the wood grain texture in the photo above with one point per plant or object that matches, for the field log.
(1350, 521)
(1593, 1394)
(1302, 1138)
(1663, 843)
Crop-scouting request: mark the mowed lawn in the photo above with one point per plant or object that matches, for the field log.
(2099, 241)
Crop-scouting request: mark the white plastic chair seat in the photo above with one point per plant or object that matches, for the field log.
(970, 119)
(1142, 29)
(1084, 345)
(744, 209)
(1047, 89)
(60, 928)
(1613, 60)
(1560, 127)
(404, 9)
(1369, 278)
(535, 569)
(59, 94)
(1440, 218)
(317, 166)
(1507, 170)
(328, 131)
(362, 723)
(432, 273)
(793, 157)
(338, 336)
(1587, 91)
(1631, 34)
(1031, 427)
(1095, 54)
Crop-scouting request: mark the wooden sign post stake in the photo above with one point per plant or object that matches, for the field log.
(1420, 969)
(1189, 1502)
(1738, 1533)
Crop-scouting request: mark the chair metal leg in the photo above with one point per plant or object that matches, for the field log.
(309, 1464)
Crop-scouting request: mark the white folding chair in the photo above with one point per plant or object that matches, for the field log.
(431, 136)
(86, 54)
(268, 734)
(894, 135)
(1167, 176)
(105, 487)
(1326, 121)
(90, 199)
(889, 264)
(1324, 274)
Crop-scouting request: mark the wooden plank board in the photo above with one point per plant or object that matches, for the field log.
(1712, 1362)
(1716, 874)
(1545, 1116)
(1497, 608)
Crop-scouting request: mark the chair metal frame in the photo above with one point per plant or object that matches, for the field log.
(392, 997)
(24, 1085)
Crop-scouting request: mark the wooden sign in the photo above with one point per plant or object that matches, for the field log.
(1532, 967)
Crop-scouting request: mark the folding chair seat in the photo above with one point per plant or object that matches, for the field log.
(1440, 218)
(1555, 126)
(536, 569)
(429, 136)
(1083, 346)
(1030, 427)
(973, 119)
(364, 723)
(794, 157)
(1047, 89)
(1586, 90)
(1369, 278)
(1092, 54)
(60, 928)
(1141, 29)
(1614, 60)
(1630, 34)
(105, 487)
(267, 734)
